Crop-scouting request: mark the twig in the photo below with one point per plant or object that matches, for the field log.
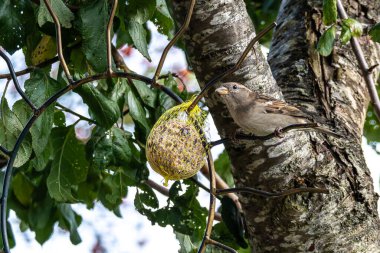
(15, 81)
(174, 75)
(126, 111)
(161, 189)
(234, 68)
(31, 68)
(64, 108)
(240, 136)
(59, 42)
(119, 61)
(220, 245)
(185, 25)
(109, 42)
(273, 194)
(363, 65)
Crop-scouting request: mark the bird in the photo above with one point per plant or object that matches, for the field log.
(262, 115)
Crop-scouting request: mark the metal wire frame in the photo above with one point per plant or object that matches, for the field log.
(111, 74)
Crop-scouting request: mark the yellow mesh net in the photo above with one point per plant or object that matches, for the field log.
(176, 146)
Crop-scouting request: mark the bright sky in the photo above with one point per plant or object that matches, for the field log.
(133, 233)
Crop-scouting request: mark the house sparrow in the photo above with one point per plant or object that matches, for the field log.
(261, 115)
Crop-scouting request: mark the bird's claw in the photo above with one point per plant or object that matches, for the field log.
(279, 133)
(233, 136)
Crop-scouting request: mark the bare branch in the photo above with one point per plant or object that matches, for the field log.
(220, 245)
(30, 68)
(65, 109)
(240, 136)
(273, 194)
(363, 65)
(174, 40)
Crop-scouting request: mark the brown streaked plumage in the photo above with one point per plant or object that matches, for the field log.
(259, 114)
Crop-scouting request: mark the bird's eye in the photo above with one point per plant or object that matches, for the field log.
(234, 87)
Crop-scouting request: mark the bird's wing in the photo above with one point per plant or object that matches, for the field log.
(275, 106)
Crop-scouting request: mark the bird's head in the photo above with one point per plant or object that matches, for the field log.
(233, 93)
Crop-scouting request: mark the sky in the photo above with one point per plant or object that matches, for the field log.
(133, 233)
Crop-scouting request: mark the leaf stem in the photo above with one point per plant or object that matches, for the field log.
(65, 109)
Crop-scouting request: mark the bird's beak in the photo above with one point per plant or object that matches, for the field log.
(222, 91)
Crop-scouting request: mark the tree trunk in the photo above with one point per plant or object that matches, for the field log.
(331, 89)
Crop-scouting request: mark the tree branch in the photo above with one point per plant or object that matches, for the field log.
(363, 65)
(30, 68)
(65, 109)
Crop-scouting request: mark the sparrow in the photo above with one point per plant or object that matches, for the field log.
(259, 114)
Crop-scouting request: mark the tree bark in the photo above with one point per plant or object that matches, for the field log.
(331, 89)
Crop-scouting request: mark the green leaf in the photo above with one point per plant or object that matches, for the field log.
(136, 110)
(69, 166)
(165, 101)
(187, 246)
(92, 26)
(102, 109)
(139, 38)
(148, 96)
(41, 160)
(42, 217)
(146, 196)
(345, 35)
(15, 15)
(64, 14)
(186, 216)
(162, 18)
(113, 189)
(326, 42)
(40, 214)
(118, 90)
(70, 220)
(330, 12)
(223, 168)
(355, 27)
(59, 119)
(141, 11)
(78, 61)
(375, 32)
(110, 148)
(22, 110)
(10, 129)
(39, 88)
(22, 188)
